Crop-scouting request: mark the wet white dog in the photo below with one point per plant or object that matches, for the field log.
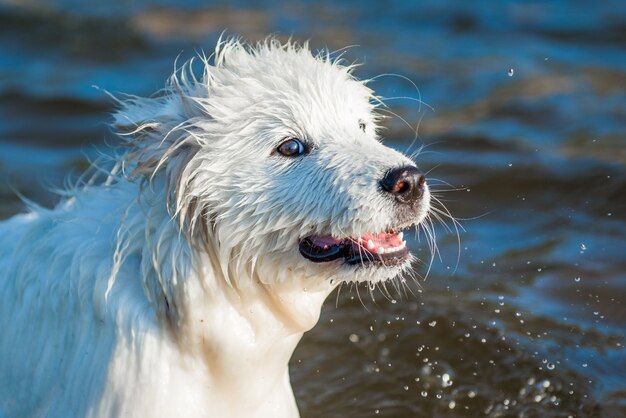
(181, 286)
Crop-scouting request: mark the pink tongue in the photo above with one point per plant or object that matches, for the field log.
(321, 241)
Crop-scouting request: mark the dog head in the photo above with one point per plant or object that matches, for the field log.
(274, 163)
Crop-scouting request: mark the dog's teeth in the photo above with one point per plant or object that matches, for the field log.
(370, 245)
(401, 235)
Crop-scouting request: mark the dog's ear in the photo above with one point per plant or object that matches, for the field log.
(160, 134)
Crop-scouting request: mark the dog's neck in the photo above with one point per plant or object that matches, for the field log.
(245, 334)
(259, 313)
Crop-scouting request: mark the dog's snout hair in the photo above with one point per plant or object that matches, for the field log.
(180, 284)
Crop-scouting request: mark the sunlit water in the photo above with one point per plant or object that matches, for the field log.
(522, 120)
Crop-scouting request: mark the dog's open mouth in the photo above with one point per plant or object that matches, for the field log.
(384, 248)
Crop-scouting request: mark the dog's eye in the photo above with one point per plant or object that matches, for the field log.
(291, 148)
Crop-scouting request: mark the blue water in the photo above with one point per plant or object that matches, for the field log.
(521, 108)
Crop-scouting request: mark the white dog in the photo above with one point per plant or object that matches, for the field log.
(181, 285)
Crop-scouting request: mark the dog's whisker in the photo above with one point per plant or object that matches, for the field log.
(419, 99)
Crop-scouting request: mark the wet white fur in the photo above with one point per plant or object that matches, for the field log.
(175, 288)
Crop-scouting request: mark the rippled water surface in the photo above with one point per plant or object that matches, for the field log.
(522, 121)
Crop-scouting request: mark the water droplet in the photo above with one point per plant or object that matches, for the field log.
(406, 387)
(471, 394)
(354, 338)
(584, 364)
(576, 279)
(550, 366)
(433, 323)
(511, 72)
(452, 404)
(583, 247)
(424, 393)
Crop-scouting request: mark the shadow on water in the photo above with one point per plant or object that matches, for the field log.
(526, 317)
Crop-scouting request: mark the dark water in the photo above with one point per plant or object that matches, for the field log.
(524, 115)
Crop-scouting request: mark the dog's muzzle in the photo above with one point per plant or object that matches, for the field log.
(406, 186)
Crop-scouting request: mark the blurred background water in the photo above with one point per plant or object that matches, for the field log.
(524, 115)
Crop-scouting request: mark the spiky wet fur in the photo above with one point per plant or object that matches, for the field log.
(175, 288)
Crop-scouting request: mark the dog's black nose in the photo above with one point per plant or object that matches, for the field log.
(406, 184)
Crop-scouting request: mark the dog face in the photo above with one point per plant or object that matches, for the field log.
(276, 151)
